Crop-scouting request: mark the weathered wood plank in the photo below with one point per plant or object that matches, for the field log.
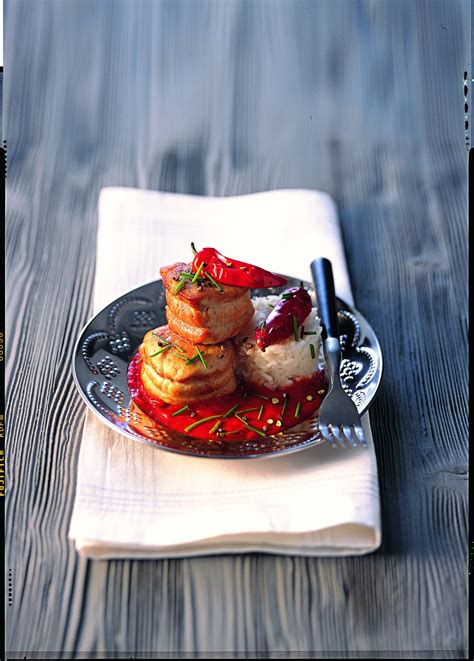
(360, 99)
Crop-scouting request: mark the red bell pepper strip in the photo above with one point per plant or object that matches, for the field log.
(232, 272)
(287, 315)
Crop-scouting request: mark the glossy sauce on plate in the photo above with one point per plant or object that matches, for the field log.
(268, 412)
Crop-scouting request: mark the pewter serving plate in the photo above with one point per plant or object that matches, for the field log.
(110, 339)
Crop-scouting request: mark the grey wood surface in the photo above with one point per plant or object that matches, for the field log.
(360, 99)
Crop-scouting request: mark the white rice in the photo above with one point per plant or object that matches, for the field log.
(280, 364)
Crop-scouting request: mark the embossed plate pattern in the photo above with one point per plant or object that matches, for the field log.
(108, 342)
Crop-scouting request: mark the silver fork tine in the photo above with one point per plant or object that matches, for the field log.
(359, 433)
(323, 429)
(338, 412)
(355, 438)
(348, 435)
(336, 432)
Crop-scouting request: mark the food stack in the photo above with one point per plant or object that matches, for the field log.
(192, 358)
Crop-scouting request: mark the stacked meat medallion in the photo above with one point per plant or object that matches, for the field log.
(192, 357)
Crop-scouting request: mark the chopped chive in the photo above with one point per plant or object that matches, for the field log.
(186, 274)
(285, 402)
(302, 332)
(286, 297)
(295, 327)
(216, 285)
(247, 410)
(216, 426)
(257, 431)
(313, 352)
(260, 413)
(257, 395)
(198, 272)
(200, 422)
(230, 411)
(185, 408)
(180, 355)
(310, 333)
(249, 426)
(162, 339)
(191, 360)
(297, 412)
(157, 353)
(180, 284)
(176, 346)
(262, 325)
(201, 357)
(193, 248)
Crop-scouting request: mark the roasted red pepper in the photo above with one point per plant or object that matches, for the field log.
(232, 272)
(284, 319)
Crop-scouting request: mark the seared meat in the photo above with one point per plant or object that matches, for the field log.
(199, 312)
(173, 371)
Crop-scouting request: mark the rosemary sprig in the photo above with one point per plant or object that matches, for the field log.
(201, 422)
(295, 327)
(185, 408)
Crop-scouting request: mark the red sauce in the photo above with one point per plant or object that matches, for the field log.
(307, 392)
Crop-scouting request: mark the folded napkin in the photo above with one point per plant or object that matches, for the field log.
(133, 500)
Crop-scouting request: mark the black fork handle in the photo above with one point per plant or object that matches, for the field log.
(321, 270)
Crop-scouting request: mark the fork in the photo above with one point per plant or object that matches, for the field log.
(338, 415)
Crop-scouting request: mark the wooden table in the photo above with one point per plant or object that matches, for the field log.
(360, 99)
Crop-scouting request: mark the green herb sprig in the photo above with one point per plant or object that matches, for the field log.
(185, 408)
(295, 327)
(201, 422)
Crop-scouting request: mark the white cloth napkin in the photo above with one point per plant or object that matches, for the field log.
(137, 501)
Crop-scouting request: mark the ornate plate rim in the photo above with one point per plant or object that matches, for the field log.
(262, 455)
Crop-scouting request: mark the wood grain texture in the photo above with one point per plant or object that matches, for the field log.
(361, 99)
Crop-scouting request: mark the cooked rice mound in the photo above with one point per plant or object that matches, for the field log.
(280, 364)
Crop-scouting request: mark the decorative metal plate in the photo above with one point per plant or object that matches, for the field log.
(110, 339)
